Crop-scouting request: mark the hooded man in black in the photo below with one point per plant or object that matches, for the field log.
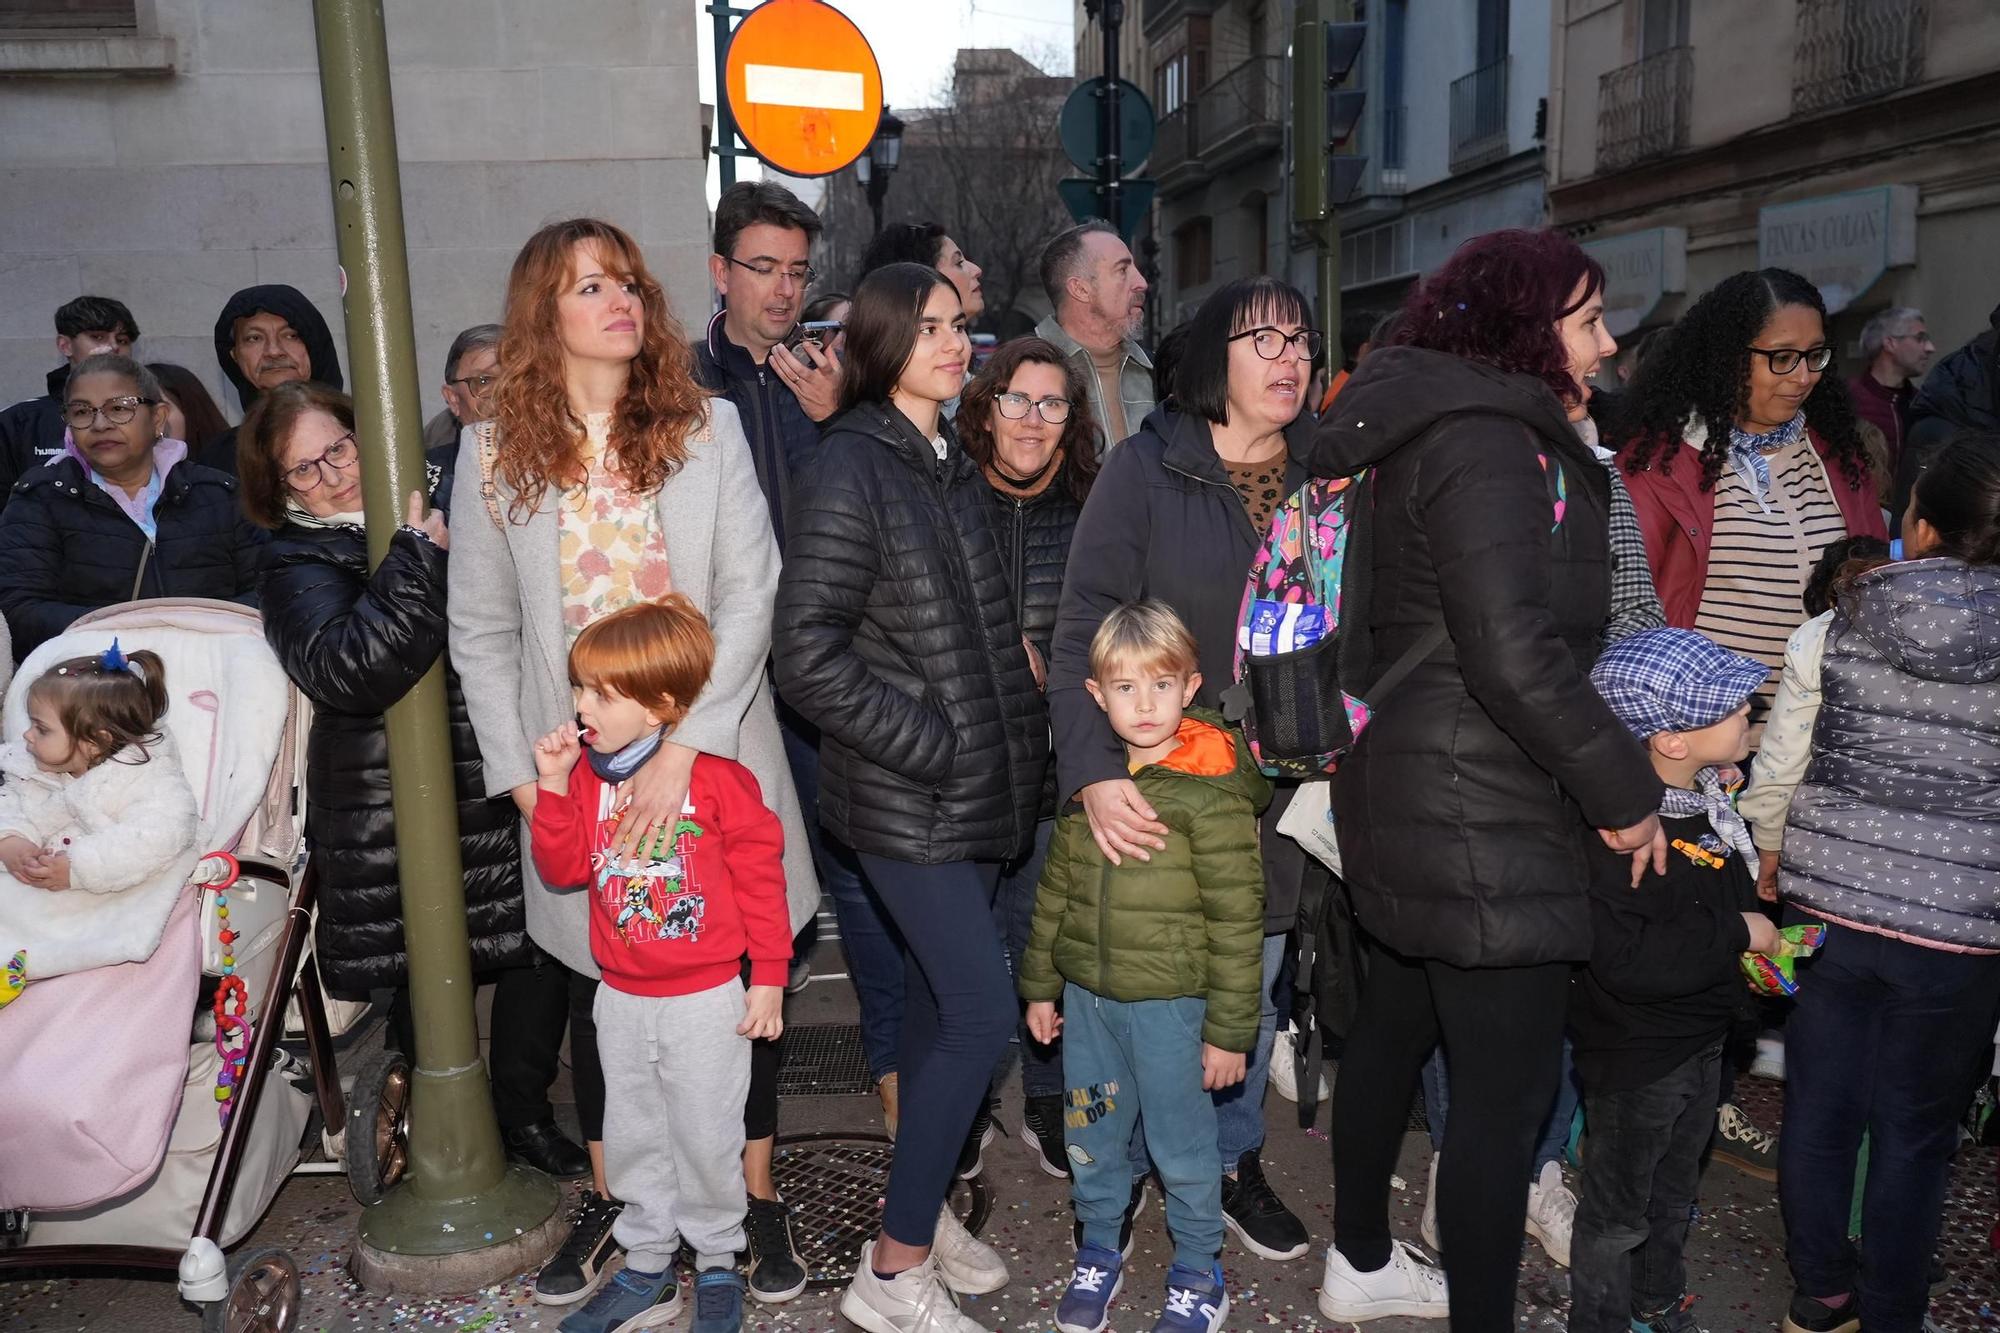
(264, 337)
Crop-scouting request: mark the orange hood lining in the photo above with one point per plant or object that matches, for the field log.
(1205, 750)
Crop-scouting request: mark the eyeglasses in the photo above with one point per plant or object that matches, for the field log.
(118, 411)
(476, 383)
(307, 476)
(802, 274)
(1014, 407)
(1270, 343)
(1785, 360)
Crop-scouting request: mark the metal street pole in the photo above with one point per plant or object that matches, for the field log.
(725, 115)
(461, 1217)
(1111, 167)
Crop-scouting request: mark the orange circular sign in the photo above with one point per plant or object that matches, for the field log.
(803, 85)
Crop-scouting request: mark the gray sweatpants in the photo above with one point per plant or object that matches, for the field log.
(675, 1078)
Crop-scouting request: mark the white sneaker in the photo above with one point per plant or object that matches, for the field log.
(1284, 1075)
(1407, 1285)
(1428, 1226)
(914, 1301)
(1552, 1212)
(1770, 1061)
(968, 1265)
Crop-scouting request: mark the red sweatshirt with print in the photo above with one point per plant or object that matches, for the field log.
(678, 916)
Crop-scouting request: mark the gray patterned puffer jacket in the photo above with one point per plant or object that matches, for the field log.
(1896, 827)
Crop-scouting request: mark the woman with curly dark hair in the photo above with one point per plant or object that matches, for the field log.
(1465, 812)
(1745, 462)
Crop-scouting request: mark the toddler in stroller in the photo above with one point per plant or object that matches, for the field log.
(98, 828)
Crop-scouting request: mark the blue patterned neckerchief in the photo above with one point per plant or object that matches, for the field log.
(1750, 455)
(1715, 796)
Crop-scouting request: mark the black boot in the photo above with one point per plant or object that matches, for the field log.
(542, 1146)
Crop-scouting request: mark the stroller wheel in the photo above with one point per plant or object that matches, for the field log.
(378, 1127)
(264, 1295)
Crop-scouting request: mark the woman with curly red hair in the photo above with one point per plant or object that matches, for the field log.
(1465, 812)
(609, 477)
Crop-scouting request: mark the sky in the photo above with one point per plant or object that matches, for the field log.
(915, 41)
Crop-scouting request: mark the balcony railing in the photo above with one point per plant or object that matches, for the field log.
(1244, 109)
(1642, 108)
(1479, 116)
(1173, 146)
(1851, 50)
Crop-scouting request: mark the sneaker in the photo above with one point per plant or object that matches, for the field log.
(630, 1301)
(1042, 1130)
(1257, 1216)
(1770, 1061)
(718, 1302)
(579, 1265)
(1094, 1281)
(775, 1271)
(886, 1088)
(1285, 1073)
(1427, 1226)
(1739, 1142)
(1809, 1315)
(1132, 1211)
(1196, 1301)
(1407, 1285)
(798, 976)
(972, 1157)
(1676, 1318)
(914, 1301)
(1551, 1212)
(968, 1265)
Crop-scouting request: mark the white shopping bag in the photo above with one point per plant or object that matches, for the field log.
(1308, 821)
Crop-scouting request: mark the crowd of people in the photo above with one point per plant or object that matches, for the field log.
(809, 605)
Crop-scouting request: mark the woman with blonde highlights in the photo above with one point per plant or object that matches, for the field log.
(608, 477)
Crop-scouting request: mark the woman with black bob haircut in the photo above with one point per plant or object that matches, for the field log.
(1465, 812)
(1177, 514)
(897, 638)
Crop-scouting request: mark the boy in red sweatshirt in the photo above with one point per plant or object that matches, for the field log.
(671, 927)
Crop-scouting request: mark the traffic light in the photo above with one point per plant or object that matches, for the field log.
(1324, 116)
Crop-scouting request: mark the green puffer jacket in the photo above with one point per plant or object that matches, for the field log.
(1188, 922)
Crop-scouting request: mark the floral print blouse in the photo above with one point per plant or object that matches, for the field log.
(612, 548)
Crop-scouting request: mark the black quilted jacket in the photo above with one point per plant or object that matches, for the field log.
(896, 637)
(356, 643)
(1034, 548)
(67, 548)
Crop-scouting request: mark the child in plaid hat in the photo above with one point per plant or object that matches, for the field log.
(1650, 1014)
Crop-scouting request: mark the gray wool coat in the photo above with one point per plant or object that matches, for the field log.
(505, 607)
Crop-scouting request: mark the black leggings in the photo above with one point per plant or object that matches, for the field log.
(1502, 1032)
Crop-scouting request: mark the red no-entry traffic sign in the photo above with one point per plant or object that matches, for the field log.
(804, 86)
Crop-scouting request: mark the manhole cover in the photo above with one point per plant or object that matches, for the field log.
(834, 1184)
(824, 1060)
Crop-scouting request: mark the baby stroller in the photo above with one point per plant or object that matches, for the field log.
(135, 1165)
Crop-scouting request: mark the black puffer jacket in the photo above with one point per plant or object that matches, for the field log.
(1458, 812)
(896, 637)
(31, 432)
(67, 548)
(1034, 549)
(1962, 393)
(356, 643)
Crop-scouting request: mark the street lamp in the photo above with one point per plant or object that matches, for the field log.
(874, 167)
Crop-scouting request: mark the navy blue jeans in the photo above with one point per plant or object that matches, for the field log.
(1885, 1040)
(959, 1010)
(874, 951)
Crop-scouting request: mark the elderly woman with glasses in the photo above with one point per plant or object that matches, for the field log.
(123, 513)
(1177, 514)
(355, 640)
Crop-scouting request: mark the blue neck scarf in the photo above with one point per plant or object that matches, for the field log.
(1715, 796)
(622, 764)
(1750, 455)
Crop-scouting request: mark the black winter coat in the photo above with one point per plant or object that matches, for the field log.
(1962, 393)
(31, 432)
(782, 437)
(1458, 811)
(896, 637)
(355, 643)
(1035, 535)
(67, 548)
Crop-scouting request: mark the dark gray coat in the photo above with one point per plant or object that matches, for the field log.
(1897, 825)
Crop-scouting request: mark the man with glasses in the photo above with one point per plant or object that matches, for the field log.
(264, 337)
(1895, 347)
(1099, 298)
(471, 374)
(31, 432)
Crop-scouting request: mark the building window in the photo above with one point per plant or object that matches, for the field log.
(1253, 243)
(68, 14)
(1194, 253)
(1663, 25)
(1377, 254)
